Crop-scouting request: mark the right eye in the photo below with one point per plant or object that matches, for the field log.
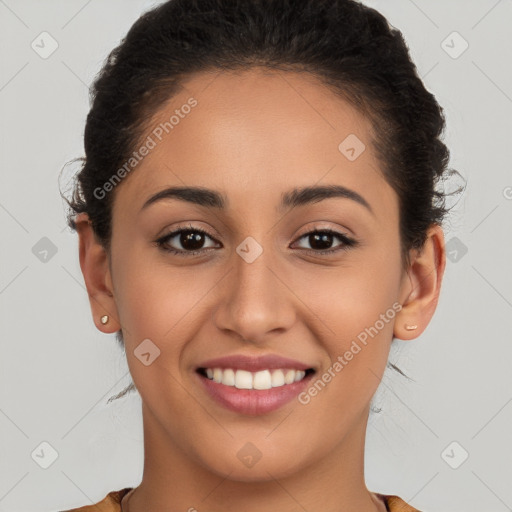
(191, 240)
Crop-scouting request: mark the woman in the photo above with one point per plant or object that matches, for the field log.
(258, 220)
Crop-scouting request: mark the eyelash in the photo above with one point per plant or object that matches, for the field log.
(347, 242)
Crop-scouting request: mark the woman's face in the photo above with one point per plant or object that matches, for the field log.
(259, 285)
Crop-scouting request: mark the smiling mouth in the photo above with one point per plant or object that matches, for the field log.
(260, 380)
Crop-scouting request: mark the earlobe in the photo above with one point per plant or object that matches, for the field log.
(95, 269)
(422, 286)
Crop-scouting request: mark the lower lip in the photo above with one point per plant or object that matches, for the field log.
(253, 401)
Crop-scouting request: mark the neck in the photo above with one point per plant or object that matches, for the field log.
(173, 480)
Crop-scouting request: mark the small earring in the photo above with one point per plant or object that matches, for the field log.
(104, 319)
(411, 327)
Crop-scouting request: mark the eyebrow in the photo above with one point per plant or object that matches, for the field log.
(293, 198)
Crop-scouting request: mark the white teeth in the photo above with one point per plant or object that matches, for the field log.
(217, 375)
(228, 377)
(289, 376)
(299, 375)
(277, 378)
(243, 379)
(262, 380)
(265, 379)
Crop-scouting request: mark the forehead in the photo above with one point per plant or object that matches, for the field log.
(253, 135)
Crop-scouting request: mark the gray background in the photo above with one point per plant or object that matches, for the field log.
(57, 371)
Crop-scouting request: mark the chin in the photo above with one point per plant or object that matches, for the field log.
(248, 464)
(260, 472)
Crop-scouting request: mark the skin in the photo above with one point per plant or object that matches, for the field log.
(253, 136)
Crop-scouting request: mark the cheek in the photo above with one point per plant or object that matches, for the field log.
(356, 306)
(165, 305)
(157, 303)
(351, 297)
(154, 300)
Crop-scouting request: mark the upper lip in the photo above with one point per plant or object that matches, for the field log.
(254, 363)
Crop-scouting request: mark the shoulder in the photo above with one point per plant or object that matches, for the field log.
(110, 503)
(396, 504)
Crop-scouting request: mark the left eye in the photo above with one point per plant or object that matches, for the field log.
(193, 239)
(324, 238)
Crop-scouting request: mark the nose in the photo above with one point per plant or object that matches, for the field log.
(255, 302)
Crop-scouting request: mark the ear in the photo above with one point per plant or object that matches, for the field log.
(421, 285)
(98, 280)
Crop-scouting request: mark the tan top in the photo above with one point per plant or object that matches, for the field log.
(112, 503)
